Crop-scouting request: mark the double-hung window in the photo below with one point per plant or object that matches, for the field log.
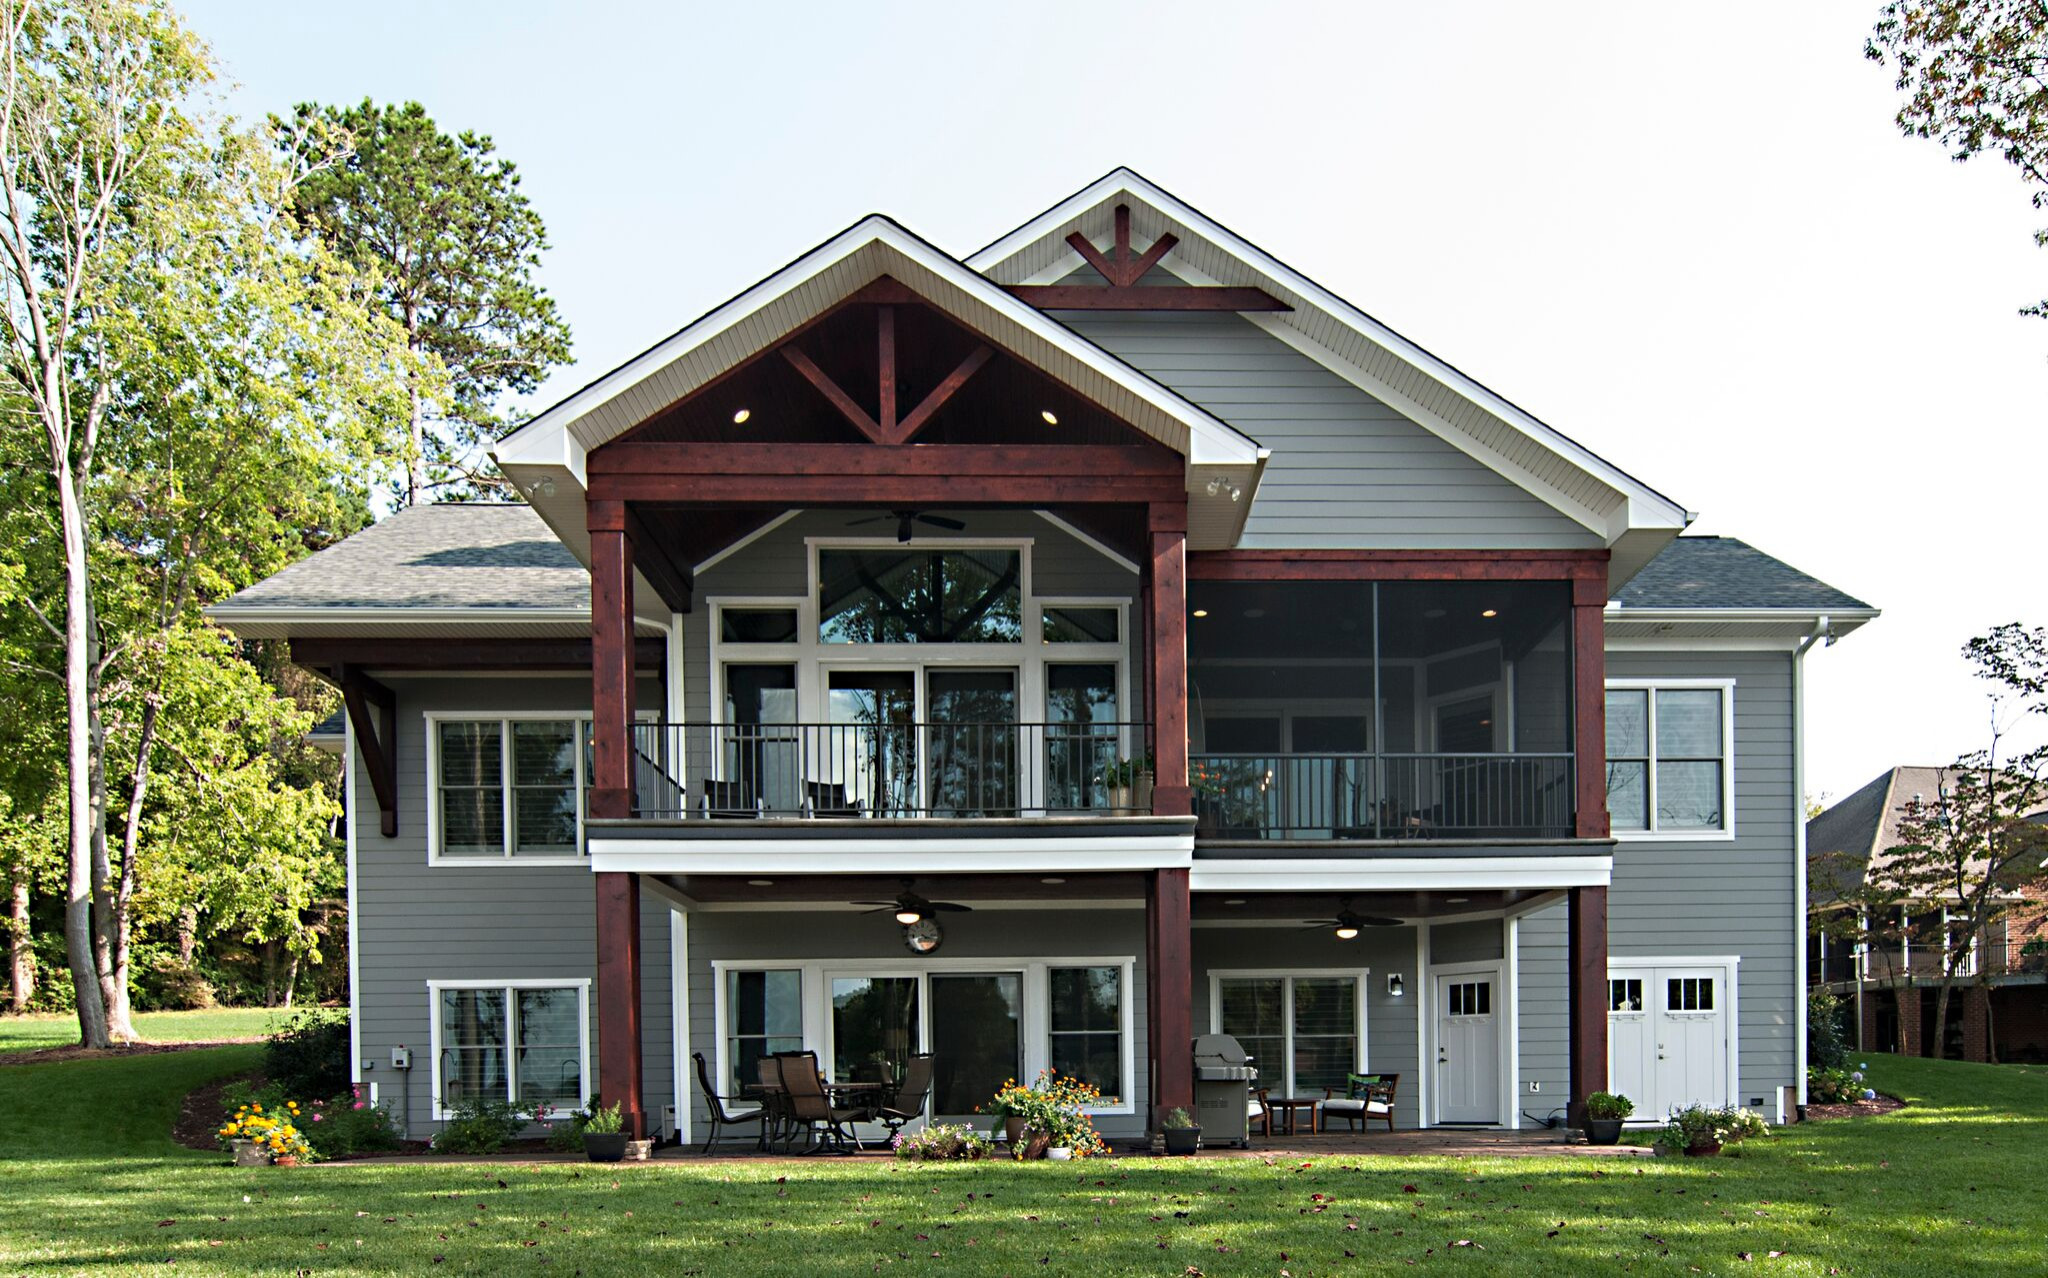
(509, 787)
(1304, 1032)
(1668, 765)
(522, 1043)
(1086, 1024)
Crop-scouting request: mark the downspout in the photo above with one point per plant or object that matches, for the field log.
(1821, 631)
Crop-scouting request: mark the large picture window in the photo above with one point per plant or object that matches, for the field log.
(1303, 1032)
(1667, 759)
(509, 787)
(889, 595)
(525, 1044)
(764, 1014)
(1086, 1019)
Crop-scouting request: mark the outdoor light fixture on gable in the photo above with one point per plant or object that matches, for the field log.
(1395, 987)
(1051, 418)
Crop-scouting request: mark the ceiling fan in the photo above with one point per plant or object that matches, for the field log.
(906, 518)
(909, 907)
(1348, 925)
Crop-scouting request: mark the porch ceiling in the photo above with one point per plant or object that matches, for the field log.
(844, 889)
(1269, 907)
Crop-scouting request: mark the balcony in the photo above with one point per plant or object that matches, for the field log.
(1383, 796)
(894, 769)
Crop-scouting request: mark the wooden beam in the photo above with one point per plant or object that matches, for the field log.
(376, 738)
(439, 653)
(1589, 707)
(888, 491)
(619, 1075)
(1146, 297)
(1093, 256)
(885, 371)
(840, 400)
(1586, 999)
(1588, 566)
(767, 461)
(1160, 247)
(1170, 945)
(1120, 267)
(676, 583)
(944, 391)
(611, 660)
(1168, 596)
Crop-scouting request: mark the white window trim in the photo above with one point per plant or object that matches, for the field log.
(580, 984)
(1357, 976)
(1034, 1015)
(505, 719)
(1726, 833)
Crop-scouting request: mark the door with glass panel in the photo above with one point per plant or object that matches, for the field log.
(971, 742)
(759, 751)
(874, 1028)
(976, 1037)
(870, 749)
(1301, 1031)
(1081, 735)
(1467, 1051)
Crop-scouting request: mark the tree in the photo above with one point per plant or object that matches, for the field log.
(192, 382)
(453, 243)
(1975, 76)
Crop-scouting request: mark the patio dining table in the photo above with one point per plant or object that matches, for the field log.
(850, 1095)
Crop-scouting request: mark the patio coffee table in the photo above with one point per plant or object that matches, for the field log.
(1286, 1107)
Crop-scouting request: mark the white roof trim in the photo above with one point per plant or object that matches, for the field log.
(1642, 506)
(285, 614)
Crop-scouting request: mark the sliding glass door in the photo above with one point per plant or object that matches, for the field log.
(874, 1027)
(976, 1036)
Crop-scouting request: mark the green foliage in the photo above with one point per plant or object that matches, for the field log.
(1609, 1105)
(1827, 1042)
(308, 1055)
(439, 223)
(1833, 1085)
(479, 1125)
(1699, 1126)
(943, 1142)
(603, 1120)
(349, 1124)
(1177, 1119)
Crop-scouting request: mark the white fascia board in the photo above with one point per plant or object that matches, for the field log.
(770, 855)
(1647, 507)
(1622, 612)
(227, 614)
(1407, 874)
(1212, 441)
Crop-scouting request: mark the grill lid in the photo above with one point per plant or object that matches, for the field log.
(1219, 1049)
(1226, 1073)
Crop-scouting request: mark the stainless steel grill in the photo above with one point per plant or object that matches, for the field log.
(1223, 1079)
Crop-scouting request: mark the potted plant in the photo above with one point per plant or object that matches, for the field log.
(1183, 1134)
(1129, 782)
(1005, 1107)
(1605, 1112)
(604, 1136)
(259, 1139)
(1699, 1131)
(1050, 1115)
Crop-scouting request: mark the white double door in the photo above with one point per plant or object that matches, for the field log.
(1468, 1029)
(1667, 1037)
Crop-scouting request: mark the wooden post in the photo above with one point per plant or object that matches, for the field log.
(1172, 991)
(1586, 976)
(618, 895)
(1169, 614)
(1589, 702)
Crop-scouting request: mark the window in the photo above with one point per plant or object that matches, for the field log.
(921, 596)
(1667, 759)
(524, 1044)
(1079, 625)
(1625, 995)
(509, 787)
(1304, 1033)
(1470, 998)
(764, 1014)
(1689, 994)
(1087, 1027)
(757, 625)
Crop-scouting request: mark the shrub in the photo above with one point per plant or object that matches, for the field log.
(565, 1131)
(1697, 1126)
(350, 1124)
(1177, 1120)
(166, 983)
(944, 1143)
(479, 1126)
(1827, 1044)
(604, 1120)
(1609, 1105)
(1833, 1086)
(307, 1054)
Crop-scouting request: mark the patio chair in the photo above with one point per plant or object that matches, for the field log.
(829, 799)
(721, 1117)
(729, 801)
(907, 1105)
(1260, 1114)
(1367, 1098)
(812, 1109)
(775, 1105)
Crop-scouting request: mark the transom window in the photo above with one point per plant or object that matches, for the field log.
(888, 595)
(509, 787)
(1303, 1033)
(525, 1044)
(1667, 759)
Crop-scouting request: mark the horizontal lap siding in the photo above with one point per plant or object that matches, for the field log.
(492, 921)
(1347, 470)
(1541, 1012)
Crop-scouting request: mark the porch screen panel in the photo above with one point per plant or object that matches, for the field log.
(1255, 1013)
(1325, 1032)
(764, 1014)
(1087, 1024)
(472, 790)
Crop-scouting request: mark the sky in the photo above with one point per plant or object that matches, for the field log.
(1691, 237)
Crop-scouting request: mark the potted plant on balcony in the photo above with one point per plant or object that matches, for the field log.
(1129, 782)
(1605, 1112)
(1183, 1134)
(604, 1135)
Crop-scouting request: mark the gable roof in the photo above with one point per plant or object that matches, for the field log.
(1853, 837)
(1633, 518)
(1724, 573)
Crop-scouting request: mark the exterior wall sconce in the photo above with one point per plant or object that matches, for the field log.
(1395, 986)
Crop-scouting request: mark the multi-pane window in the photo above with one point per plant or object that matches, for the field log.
(510, 787)
(921, 596)
(1470, 998)
(764, 1014)
(1625, 994)
(1301, 1031)
(1667, 759)
(517, 1043)
(1689, 994)
(1087, 1027)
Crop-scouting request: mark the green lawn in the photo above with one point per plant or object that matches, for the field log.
(38, 1030)
(1951, 1184)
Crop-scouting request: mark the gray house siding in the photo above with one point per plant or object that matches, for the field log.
(416, 922)
(1347, 470)
(1701, 898)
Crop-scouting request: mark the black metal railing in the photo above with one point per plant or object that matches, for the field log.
(1383, 796)
(886, 769)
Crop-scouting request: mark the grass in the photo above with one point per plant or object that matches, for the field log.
(1944, 1186)
(60, 1029)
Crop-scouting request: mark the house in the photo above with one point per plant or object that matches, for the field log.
(1892, 973)
(1038, 658)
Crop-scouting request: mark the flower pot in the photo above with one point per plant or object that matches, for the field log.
(1182, 1141)
(1036, 1144)
(250, 1154)
(1703, 1149)
(1603, 1131)
(286, 1160)
(1059, 1153)
(1013, 1131)
(605, 1147)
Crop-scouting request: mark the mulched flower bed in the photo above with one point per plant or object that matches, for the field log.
(202, 1112)
(1855, 1109)
(52, 1055)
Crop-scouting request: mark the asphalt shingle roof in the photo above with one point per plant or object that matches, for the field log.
(455, 555)
(1721, 572)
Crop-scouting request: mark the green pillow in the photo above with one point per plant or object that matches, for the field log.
(1361, 1085)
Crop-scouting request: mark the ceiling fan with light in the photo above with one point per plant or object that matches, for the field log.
(909, 907)
(906, 521)
(1348, 925)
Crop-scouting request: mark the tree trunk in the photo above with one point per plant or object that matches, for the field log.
(1941, 997)
(416, 464)
(291, 978)
(122, 919)
(21, 955)
(79, 759)
(109, 920)
(188, 935)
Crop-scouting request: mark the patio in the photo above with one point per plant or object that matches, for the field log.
(1433, 1142)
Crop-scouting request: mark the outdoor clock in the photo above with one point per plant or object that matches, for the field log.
(923, 936)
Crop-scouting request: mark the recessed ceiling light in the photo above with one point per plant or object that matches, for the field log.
(1235, 900)
(1051, 418)
(1490, 612)
(1433, 614)
(760, 882)
(1456, 900)
(1201, 612)
(1052, 880)
(1254, 613)
(740, 418)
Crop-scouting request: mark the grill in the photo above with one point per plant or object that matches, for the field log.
(1223, 1079)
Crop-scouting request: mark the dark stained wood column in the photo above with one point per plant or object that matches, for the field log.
(1168, 595)
(1589, 702)
(618, 895)
(1586, 978)
(1171, 992)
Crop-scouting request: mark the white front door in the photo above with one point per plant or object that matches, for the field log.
(1467, 1050)
(1667, 1037)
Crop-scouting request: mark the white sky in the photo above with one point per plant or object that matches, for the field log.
(1689, 236)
